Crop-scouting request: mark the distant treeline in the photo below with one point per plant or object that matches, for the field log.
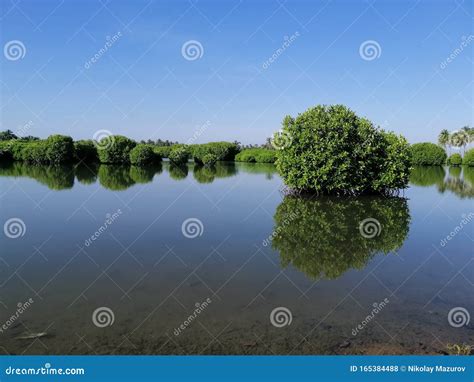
(117, 149)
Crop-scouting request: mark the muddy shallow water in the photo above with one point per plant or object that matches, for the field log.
(110, 266)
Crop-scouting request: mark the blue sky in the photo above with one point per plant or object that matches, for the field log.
(143, 87)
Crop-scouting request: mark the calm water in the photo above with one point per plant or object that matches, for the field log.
(316, 264)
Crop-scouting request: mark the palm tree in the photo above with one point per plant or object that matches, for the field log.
(459, 139)
(470, 132)
(443, 138)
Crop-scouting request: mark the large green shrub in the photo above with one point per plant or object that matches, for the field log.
(329, 149)
(222, 151)
(179, 155)
(256, 155)
(209, 159)
(142, 154)
(455, 160)
(115, 149)
(469, 158)
(58, 148)
(85, 150)
(427, 154)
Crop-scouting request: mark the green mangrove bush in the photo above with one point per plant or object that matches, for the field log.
(256, 155)
(142, 155)
(85, 150)
(330, 150)
(224, 151)
(468, 159)
(455, 160)
(427, 154)
(115, 149)
(179, 155)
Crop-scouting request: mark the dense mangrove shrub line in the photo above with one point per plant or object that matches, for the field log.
(427, 154)
(330, 150)
(256, 155)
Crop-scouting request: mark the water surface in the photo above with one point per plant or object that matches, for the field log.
(255, 250)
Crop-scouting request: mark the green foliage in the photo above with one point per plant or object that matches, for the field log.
(115, 149)
(58, 148)
(142, 154)
(443, 138)
(322, 236)
(179, 155)
(256, 155)
(330, 150)
(85, 150)
(7, 135)
(427, 154)
(223, 151)
(162, 151)
(469, 158)
(209, 159)
(455, 160)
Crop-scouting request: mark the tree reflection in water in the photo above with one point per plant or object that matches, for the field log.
(321, 236)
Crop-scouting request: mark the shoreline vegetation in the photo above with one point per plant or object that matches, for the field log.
(324, 150)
